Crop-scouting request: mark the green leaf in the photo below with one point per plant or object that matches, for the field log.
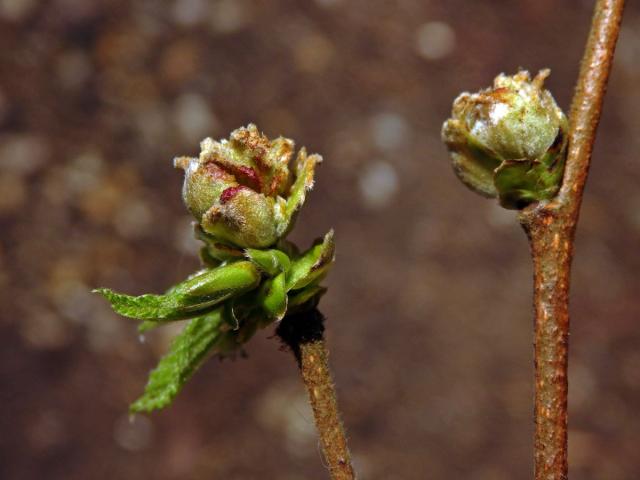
(312, 265)
(148, 306)
(186, 354)
(220, 283)
(273, 297)
(304, 167)
(272, 262)
(201, 291)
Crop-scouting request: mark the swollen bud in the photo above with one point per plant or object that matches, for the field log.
(509, 141)
(242, 192)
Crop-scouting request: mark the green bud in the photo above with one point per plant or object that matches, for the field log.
(312, 266)
(220, 283)
(246, 218)
(245, 194)
(242, 192)
(273, 298)
(271, 262)
(509, 141)
(201, 291)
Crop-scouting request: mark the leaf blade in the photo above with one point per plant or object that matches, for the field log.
(304, 167)
(186, 354)
(190, 297)
(271, 261)
(273, 297)
(313, 264)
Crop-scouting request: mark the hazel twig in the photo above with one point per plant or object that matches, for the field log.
(512, 142)
(304, 334)
(551, 231)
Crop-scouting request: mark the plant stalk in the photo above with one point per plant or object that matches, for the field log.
(551, 248)
(551, 231)
(304, 334)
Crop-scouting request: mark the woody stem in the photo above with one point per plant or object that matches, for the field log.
(551, 229)
(304, 334)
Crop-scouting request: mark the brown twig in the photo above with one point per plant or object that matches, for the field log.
(304, 334)
(551, 228)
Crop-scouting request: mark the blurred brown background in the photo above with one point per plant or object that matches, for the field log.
(429, 307)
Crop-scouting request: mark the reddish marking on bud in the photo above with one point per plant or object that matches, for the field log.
(258, 158)
(229, 193)
(249, 177)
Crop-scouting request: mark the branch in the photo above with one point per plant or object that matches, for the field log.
(551, 228)
(304, 334)
(587, 101)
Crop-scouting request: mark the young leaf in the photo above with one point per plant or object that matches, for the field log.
(199, 292)
(186, 354)
(149, 306)
(272, 262)
(304, 169)
(220, 283)
(312, 265)
(273, 297)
